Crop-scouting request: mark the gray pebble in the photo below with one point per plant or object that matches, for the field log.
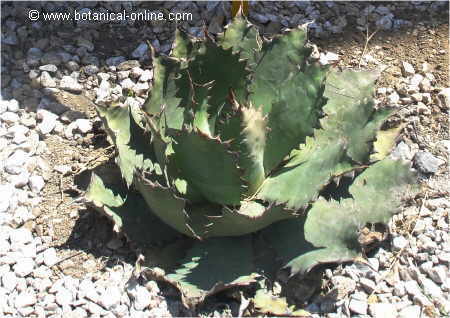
(426, 162)
(48, 68)
(69, 84)
(140, 51)
(36, 183)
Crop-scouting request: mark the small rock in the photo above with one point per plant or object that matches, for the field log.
(51, 58)
(9, 38)
(383, 310)
(156, 45)
(50, 257)
(69, 84)
(426, 67)
(48, 121)
(123, 75)
(402, 151)
(86, 44)
(140, 51)
(425, 85)
(358, 306)
(9, 118)
(25, 299)
(410, 312)
(15, 162)
(3, 106)
(438, 274)
(103, 93)
(430, 288)
(110, 298)
(328, 58)
(63, 169)
(136, 72)
(141, 88)
(12, 106)
(90, 69)
(399, 243)
(103, 76)
(9, 281)
(95, 309)
(426, 98)
(73, 66)
(77, 313)
(36, 183)
(261, 18)
(385, 23)
(342, 286)
(84, 125)
(42, 272)
(444, 98)
(46, 80)
(407, 69)
(412, 288)
(393, 98)
(48, 68)
(64, 297)
(127, 84)
(24, 266)
(417, 97)
(141, 296)
(34, 53)
(20, 236)
(114, 61)
(368, 285)
(399, 289)
(146, 76)
(416, 79)
(426, 162)
(87, 290)
(128, 65)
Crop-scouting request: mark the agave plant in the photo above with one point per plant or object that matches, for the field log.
(226, 165)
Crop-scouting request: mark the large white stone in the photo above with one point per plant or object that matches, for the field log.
(36, 183)
(50, 257)
(24, 266)
(24, 299)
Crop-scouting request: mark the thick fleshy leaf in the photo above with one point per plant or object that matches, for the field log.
(163, 203)
(350, 111)
(377, 194)
(206, 270)
(162, 96)
(129, 213)
(245, 131)
(182, 45)
(244, 39)
(294, 114)
(306, 174)
(249, 218)
(214, 63)
(385, 142)
(208, 166)
(132, 142)
(273, 72)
